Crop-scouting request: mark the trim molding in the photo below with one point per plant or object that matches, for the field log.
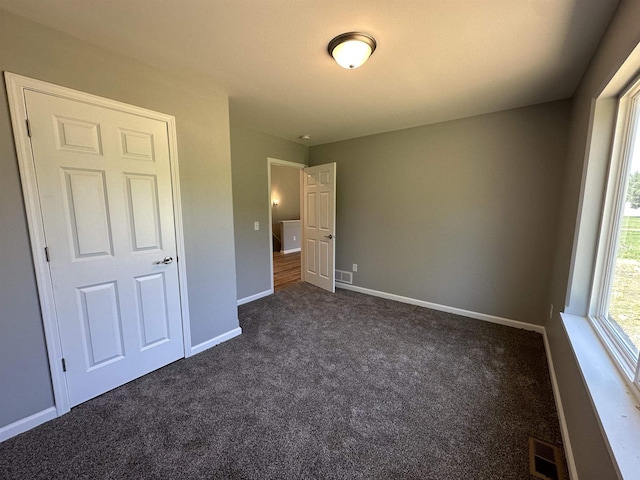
(291, 250)
(257, 296)
(286, 163)
(27, 423)
(564, 430)
(443, 308)
(201, 347)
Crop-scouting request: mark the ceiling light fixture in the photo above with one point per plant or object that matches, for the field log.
(350, 50)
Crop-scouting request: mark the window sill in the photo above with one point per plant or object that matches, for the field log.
(617, 409)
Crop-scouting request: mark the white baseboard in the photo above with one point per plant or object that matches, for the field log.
(201, 347)
(257, 296)
(443, 308)
(291, 250)
(27, 423)
(564, 430)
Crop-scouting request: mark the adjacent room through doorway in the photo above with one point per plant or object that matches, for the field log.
(285, 223)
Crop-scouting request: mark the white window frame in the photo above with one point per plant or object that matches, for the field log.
(614, 339)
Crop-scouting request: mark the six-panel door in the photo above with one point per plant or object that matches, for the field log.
(319, 225)
(104, 183)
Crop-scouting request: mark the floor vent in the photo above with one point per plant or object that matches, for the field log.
(344, 277)
(545, 460)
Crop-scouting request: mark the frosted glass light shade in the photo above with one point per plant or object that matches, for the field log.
(351, 50)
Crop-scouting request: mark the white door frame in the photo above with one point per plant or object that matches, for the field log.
(16, 87)
(282, 163)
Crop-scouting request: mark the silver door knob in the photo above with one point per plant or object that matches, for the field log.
(329, 236)
(166, 261)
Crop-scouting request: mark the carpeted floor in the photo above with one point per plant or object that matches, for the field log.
(318, 386)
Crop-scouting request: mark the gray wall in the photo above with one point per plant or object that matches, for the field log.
(590, 451)
(461, 213)
(205, 169)
(251, 203)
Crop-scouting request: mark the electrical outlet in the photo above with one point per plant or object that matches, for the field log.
(551, 311)
(256, 225)
(355, 267)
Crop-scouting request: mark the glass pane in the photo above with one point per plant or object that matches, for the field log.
(624, 302)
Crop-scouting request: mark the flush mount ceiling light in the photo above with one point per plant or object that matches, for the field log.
(350, 50)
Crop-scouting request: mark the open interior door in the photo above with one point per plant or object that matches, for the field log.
(319, 226)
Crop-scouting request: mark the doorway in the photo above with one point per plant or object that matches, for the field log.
(285, 236)
(313, 229)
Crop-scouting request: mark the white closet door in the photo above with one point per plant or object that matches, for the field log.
(104, 183)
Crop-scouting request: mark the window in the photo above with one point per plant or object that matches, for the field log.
(616, 315)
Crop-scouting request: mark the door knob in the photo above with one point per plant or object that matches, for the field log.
(166, 261)
(329, 236)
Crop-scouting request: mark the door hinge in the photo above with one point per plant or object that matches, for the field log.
(46, 253)
(28, 127)
(64, 365)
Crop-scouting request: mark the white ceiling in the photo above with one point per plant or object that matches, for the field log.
(436, 59)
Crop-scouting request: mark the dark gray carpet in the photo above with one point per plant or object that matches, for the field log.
(318, 386)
